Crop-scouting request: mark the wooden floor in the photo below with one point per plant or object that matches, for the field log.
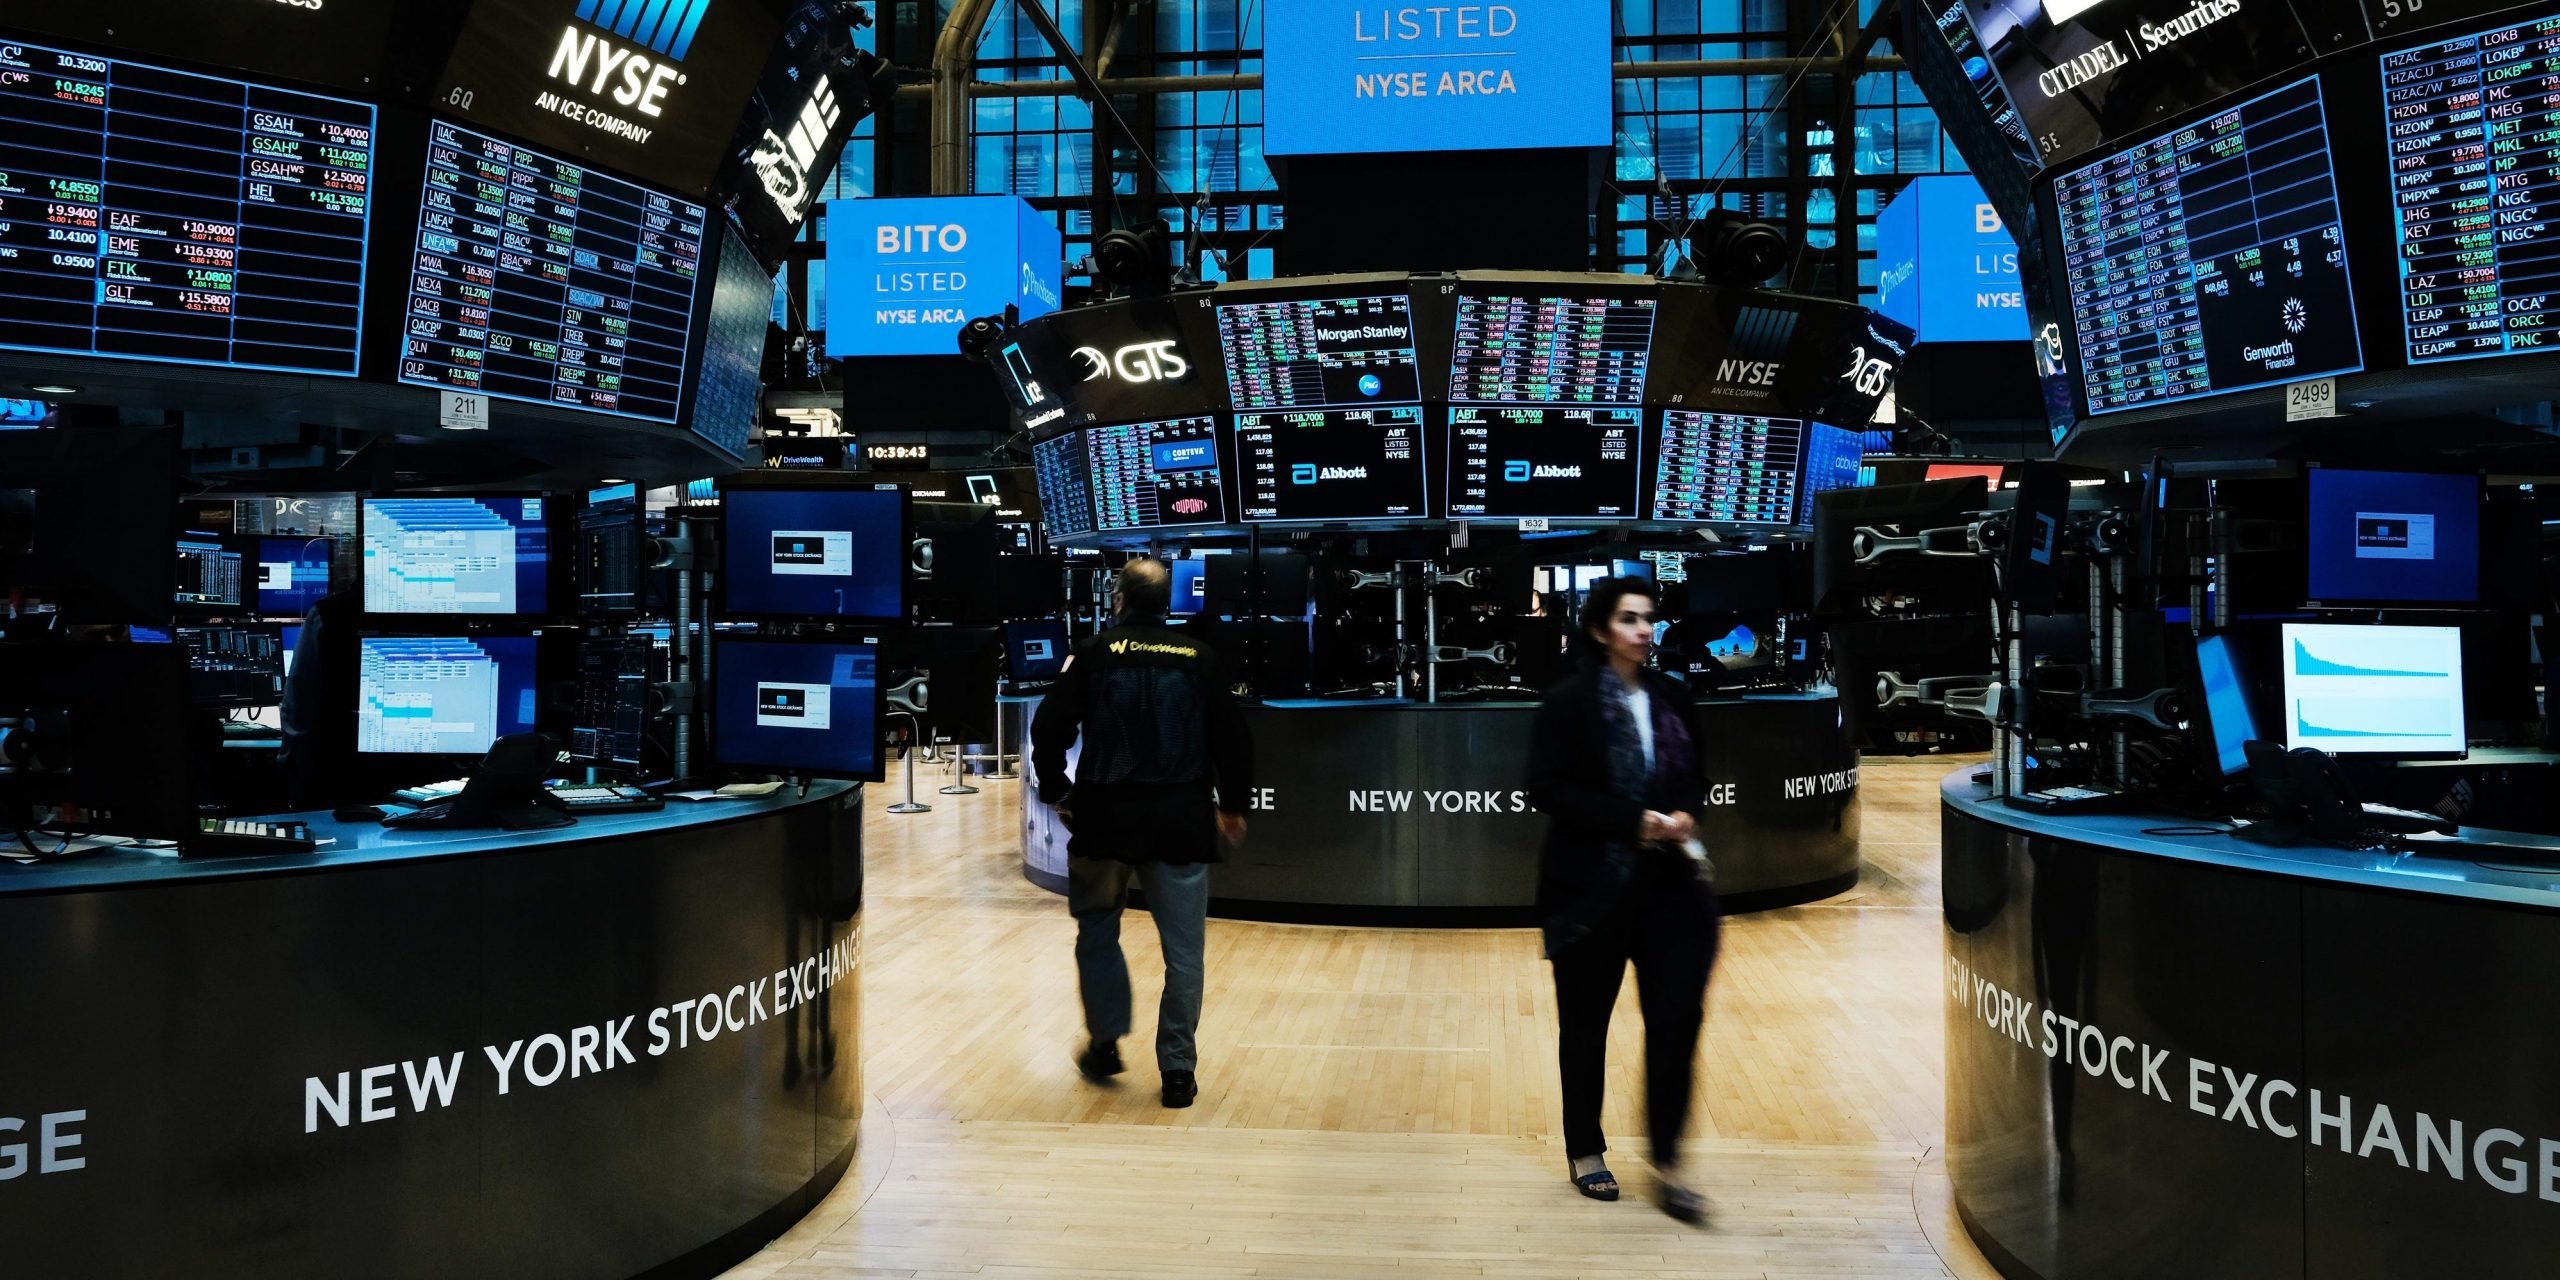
(1376, 1102)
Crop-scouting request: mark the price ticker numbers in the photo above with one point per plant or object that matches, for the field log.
(1155, 475)
(1728, 468)
(1519, 349)
(1331, 464)
(2210, 259)
(2475, 183)
(1578, 462)
(1320, 353)
(150, 214)
(1064, 473)
(540, 280)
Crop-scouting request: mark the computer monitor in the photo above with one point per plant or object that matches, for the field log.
(1035, 652)
(2374, 690)
(2393, 537)
(210, 576)
(831, 551)
(1231, 591)
(485, 555)
(2229, 723)
(292, 575)
(1631, 569)
(614, 552)
(87, 518)
(233, 666)
(1190, 586)
(609, 717)
(442, 695)
(807, 707)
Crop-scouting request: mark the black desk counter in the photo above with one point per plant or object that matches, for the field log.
(625, 1047)
(1383, 812)
(2190, 1055)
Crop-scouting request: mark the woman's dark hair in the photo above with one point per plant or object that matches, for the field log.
(1607, 594)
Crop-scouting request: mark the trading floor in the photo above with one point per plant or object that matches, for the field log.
(1378, 1102)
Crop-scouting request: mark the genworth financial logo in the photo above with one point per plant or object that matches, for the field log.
(623, 52)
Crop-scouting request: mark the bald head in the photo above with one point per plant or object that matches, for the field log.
(1145, 589)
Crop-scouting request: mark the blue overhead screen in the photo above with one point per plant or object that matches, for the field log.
(1946, 266)
(1343, 76)
(904, 274)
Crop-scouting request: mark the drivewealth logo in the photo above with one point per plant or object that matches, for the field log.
(595, 60)
(1141, 646)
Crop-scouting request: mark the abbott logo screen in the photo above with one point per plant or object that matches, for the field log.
(2388, 535)
(826, 553)
(791, 706)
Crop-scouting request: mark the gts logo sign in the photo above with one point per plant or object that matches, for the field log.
(1519, 471)
(1310, 473)
(1748, 373)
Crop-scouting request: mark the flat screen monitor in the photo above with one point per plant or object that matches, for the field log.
(233, 666)
(2186, 280)
(1190, 586)
(442, 695)
(1064, 472)
(609, 718)
(229, 228)
(1320, 465)
(210, 576)
(613, 552)
(2228, 718)
(536, 279)
(831, 552)
(1729, 468)
(1321, 353)
(1035, 652)
(1721, 649)
(1577, 463)
(1631, 569)
(487, 555)
(1834, 458)
(2469, 253)
(809, 707)
(2393, 537)
(1990, 471)
(729, 391)
(292, 574)
(1156, 475)
(2374, 690)
(1550, 348)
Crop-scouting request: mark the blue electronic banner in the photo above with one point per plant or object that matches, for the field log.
(804, 707)
(1344, 76)
(903, 275)
(1946, 266)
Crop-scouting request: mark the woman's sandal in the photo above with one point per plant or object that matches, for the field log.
(1684, 1204)
(1589, 1184)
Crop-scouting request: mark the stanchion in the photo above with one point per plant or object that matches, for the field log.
(959, 785)
(1003, 770)
(915, 730)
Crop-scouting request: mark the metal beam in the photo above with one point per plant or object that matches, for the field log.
(955, 57)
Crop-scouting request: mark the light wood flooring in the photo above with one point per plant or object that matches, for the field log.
(1376, 1103)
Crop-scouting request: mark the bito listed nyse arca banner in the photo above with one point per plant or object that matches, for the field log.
(1344, 76)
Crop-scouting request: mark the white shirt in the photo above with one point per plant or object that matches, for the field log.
(1640, 705)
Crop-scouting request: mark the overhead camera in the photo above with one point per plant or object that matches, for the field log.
(1731, 247)
(1135, 260)
(980, 337)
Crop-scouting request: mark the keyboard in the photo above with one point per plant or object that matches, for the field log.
(2068, 799)
(2383, 817)
(604, 799)
(243, 837)
(427, 793)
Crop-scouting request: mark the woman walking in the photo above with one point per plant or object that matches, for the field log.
(1614, 765)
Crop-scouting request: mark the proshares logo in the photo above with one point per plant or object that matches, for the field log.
(1758, 349)
(783, 165)
(630, 77)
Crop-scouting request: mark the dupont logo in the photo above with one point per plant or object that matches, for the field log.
(663, 27)
(1190, 506)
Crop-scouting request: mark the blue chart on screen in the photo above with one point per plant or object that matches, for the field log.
(442, 695)
(293, 573)
(456, 555)
(2389, 536)
(799, 707)
(2373, 689)
(832, 553)
(2211, 259)
(148, 214)
(538, 280)
(1344, 76)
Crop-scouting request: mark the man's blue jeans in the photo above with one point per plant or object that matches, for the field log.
(1178, 898)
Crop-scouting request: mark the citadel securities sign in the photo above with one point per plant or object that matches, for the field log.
(903, 275)
(1344, 76)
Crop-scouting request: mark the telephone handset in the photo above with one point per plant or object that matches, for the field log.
(2308, 792)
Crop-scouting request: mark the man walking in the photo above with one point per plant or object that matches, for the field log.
(1166, 767)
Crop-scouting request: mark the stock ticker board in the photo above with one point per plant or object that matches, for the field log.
(1331, 464)
(1525, 349)
(1543, 461)
(149, 214)
(2211, 259)
(540, 280)
(1064, 473)
(1728, 468)
(1156, 475)
(1319, 353)
(2474, 123)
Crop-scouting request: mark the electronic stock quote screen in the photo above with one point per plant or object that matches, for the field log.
(1546, 396)
(1328, 396)
(540, 280)
(2475, 183)
(150, 214)
(2210, 259)
(1155, 475)
(1731, 468)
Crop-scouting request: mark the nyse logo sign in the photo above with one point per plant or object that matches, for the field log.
(1137, 362)
(1748, 373)
(783, 165)
(1755, 356)
(630, 77)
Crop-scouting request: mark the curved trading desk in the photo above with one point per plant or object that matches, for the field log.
(622, 1047)
(1412, 813)
(2193, 1056)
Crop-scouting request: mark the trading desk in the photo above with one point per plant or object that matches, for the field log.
(2187, 1055)
(1393, 812)
(623, 1047)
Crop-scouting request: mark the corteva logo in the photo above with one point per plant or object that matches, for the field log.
(630, 77)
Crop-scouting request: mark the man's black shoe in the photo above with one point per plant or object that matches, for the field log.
(1100, 1060)
(1181, 1088)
